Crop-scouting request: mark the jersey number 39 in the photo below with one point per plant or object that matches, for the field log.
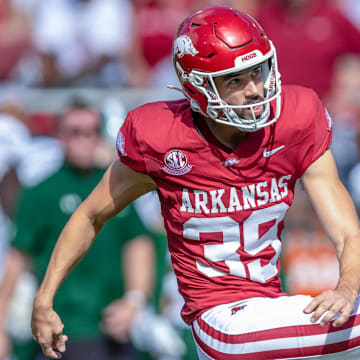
(253, 243)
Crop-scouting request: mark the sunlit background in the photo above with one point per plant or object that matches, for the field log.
(114, 55)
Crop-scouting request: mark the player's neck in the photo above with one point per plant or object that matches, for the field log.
(227, 135)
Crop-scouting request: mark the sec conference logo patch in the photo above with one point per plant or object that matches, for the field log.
(176, 163)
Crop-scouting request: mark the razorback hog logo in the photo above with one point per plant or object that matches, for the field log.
(183, 45)
(234, 310)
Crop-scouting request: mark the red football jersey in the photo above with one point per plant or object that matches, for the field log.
(224, 211)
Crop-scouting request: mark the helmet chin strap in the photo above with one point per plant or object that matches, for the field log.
(233, 119)
(172, 87)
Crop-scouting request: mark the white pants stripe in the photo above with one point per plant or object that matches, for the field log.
(263, 328)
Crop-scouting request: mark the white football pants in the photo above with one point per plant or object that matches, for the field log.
(265, 328)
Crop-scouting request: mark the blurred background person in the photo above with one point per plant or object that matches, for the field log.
(309, 262)
(15, 38)
(13, 135)
(79, 42)
(309, 35)
(101, 298)
(343, 103)
(154, 27)
(22, 161)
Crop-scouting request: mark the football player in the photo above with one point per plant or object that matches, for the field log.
(225, 160)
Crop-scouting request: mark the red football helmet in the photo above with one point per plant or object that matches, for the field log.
(218, 41)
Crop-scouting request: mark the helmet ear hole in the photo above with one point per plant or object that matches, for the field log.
(213, 113)
(198, 80)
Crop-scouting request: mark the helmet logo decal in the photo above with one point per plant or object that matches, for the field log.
(183, 45)
(176, 163)
(248, 57)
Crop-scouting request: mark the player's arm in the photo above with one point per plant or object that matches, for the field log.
(338, 217)
(119, 187)
(138, 259)
(15, 265)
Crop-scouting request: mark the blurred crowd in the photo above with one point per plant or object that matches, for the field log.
(126, 44)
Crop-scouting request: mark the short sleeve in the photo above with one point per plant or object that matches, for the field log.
(128, 144)
(317, 133)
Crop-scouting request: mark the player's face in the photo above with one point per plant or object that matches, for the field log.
(242, 88)
(80, 134)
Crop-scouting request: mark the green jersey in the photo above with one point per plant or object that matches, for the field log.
(98, 279)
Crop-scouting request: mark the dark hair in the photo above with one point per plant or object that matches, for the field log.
(78, 103)
(75, 103)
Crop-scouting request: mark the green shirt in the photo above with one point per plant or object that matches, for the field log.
(98, 279)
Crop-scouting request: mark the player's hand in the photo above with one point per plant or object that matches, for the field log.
(47, 330)
(5, 345)
(118, 318)
(330, 303)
